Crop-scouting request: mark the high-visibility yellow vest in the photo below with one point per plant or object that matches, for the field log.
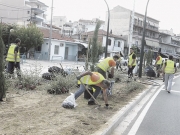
(159, 61)
(87, 79)
(104, 65)
(131, 60)
(119, 59)
(169, 67)
(10, 55)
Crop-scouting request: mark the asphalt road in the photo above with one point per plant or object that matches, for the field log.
(161, 115)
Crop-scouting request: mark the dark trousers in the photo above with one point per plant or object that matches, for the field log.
(102, 72)
(11, 66)
(130, 71)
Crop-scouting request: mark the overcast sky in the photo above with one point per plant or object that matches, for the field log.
(166, 11)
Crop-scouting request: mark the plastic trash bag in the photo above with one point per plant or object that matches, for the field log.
(69, 102)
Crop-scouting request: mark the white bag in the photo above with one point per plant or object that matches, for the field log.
(69, 102)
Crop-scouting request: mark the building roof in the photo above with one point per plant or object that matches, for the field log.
(38, 2)
(91, 21)
(55, 35)
(53, 26)
(103, 32)
(134, 12)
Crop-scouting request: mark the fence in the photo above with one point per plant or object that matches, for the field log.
(23, 58)
(57, 58)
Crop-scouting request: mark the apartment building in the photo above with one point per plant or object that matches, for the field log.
(169, 43)
(23, 12)
(59, 21)
(120, 24)
(38, 11)
(14, 12)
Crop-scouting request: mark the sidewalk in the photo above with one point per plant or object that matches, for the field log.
(44, 65)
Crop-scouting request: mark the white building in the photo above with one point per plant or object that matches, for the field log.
(169, 43)
(59, 21)
(38, 11)
(115, 43)
(14, 12)
(120, 24)
(23, 12)
(61, 48)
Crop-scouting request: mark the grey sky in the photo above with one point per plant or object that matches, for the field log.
(166, 11)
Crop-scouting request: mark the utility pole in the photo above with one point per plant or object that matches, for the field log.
(50, 32)
(143, 42)
(131, 28)
(107, 30)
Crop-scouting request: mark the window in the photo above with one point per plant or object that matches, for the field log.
(109, 42)
(38, 48)
(61, 44)
(119, 44)
(28, 12)
(56, 49)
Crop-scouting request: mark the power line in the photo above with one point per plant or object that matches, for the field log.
(14, 18)
(15, 10)
(11, 6)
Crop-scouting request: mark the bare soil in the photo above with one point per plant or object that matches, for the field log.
(35, 112)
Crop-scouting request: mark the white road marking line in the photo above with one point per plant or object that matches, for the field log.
(143, 113)
(173, 91)
(176, 76)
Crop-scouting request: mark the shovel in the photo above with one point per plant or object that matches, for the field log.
(89, 93)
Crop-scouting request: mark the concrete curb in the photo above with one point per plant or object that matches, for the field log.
(109, 126)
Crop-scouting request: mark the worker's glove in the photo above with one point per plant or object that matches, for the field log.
(79, 77)
(106, 106)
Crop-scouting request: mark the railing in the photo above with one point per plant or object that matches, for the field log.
(57, 58)
(150, 27)
(23, 58)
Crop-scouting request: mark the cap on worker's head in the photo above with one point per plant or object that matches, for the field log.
(106, 83)
(116, 56)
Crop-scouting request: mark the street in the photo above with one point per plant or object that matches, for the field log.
(160, 116)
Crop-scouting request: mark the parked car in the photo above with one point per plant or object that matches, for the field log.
(124, 61)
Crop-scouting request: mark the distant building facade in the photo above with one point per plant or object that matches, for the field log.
(23, 12)
(120, 24)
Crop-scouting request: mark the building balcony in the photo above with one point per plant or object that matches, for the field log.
(135, 34)
(37, 19)
(149, 27)
(117, 49)
(37, 10)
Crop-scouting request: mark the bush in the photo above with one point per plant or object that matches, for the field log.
(30, 77)
(62, 84)
(131, 86)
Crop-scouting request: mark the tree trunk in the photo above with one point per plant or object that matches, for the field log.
(2, 79)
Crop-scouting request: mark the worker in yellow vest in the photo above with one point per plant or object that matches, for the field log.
(13, 57)
(95, 80)
(131, 63)
(169, 69)
(106, 64)
(158, 64)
